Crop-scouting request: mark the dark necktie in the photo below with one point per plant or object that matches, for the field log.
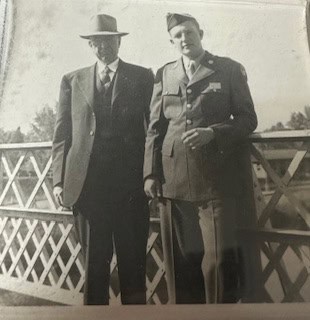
(105, 79)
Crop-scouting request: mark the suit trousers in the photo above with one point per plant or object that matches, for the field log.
(126, 221)
(205, 251)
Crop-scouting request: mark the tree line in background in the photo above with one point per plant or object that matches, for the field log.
(42, 126)
(298, 121)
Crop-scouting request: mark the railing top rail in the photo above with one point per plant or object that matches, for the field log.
(285, 136)
(276, 235)
(39, 214)
(26, 146)
(43, 214)
(278, 136)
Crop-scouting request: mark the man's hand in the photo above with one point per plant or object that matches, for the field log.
(197, 137)
(57, 191)
(152, 188)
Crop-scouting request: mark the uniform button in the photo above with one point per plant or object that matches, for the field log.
(188, 106)
(189, 91)
(92, 133)
(188, 121)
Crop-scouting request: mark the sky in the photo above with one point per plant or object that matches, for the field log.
(270, 40)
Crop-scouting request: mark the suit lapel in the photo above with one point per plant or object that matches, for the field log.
(86, 83)
(204, 70)
(120, 82)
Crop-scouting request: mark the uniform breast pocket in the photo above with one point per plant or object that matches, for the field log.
(214, 103)
(172, 104)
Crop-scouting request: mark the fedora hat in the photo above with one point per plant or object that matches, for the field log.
(102, 25)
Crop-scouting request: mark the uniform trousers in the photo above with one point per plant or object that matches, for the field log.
(205, 251)
(106, 214)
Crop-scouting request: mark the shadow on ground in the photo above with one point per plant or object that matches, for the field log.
(9, 298)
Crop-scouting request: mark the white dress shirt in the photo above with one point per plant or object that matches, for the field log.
(112, 66)
(187, 62)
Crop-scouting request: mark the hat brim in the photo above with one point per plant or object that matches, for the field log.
(103, 33)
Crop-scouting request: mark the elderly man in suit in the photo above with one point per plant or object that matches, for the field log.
(201, 111)
(98, 150)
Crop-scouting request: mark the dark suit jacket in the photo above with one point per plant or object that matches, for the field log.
(76, 124)
(217, 96)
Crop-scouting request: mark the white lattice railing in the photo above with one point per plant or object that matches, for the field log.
(282, 231)
(39, 254)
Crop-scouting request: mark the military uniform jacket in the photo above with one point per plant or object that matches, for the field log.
(217, 96)
(75, 128)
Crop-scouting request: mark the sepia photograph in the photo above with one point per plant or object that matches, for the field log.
(154, 159)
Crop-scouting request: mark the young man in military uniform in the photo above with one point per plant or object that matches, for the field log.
(201, 111)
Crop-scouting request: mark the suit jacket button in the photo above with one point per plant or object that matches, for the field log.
(188, 121)
(188, 106)
(92, 133)
(189, 91)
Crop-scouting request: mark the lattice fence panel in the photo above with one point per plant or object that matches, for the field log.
(39, 254)
(25, 180)
(285, 275)
(45, 257)
(285, 282)
(42, 257)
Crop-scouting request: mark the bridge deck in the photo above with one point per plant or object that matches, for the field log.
(167, 312)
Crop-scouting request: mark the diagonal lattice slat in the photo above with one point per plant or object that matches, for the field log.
(55, 255)
(9, 241)
(19, 269)
(11, 172)
(299, 156)
(39, 248)
(304, 254)
(282, 186)
(41, 183)
(295, 288)
(274, 264)
(22, 243)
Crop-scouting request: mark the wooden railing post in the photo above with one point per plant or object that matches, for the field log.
(1, 173)
(167, 244)
(249, 252)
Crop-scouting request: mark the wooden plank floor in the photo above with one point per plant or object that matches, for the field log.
(180, 312)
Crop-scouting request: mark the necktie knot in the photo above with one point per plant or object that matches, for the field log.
(103, 80)
(191, 69)
(104, 75)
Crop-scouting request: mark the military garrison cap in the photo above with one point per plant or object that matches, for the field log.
(174, 19)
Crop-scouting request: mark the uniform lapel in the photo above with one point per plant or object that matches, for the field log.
(180, 72)
(86, 83)
(204, 70)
